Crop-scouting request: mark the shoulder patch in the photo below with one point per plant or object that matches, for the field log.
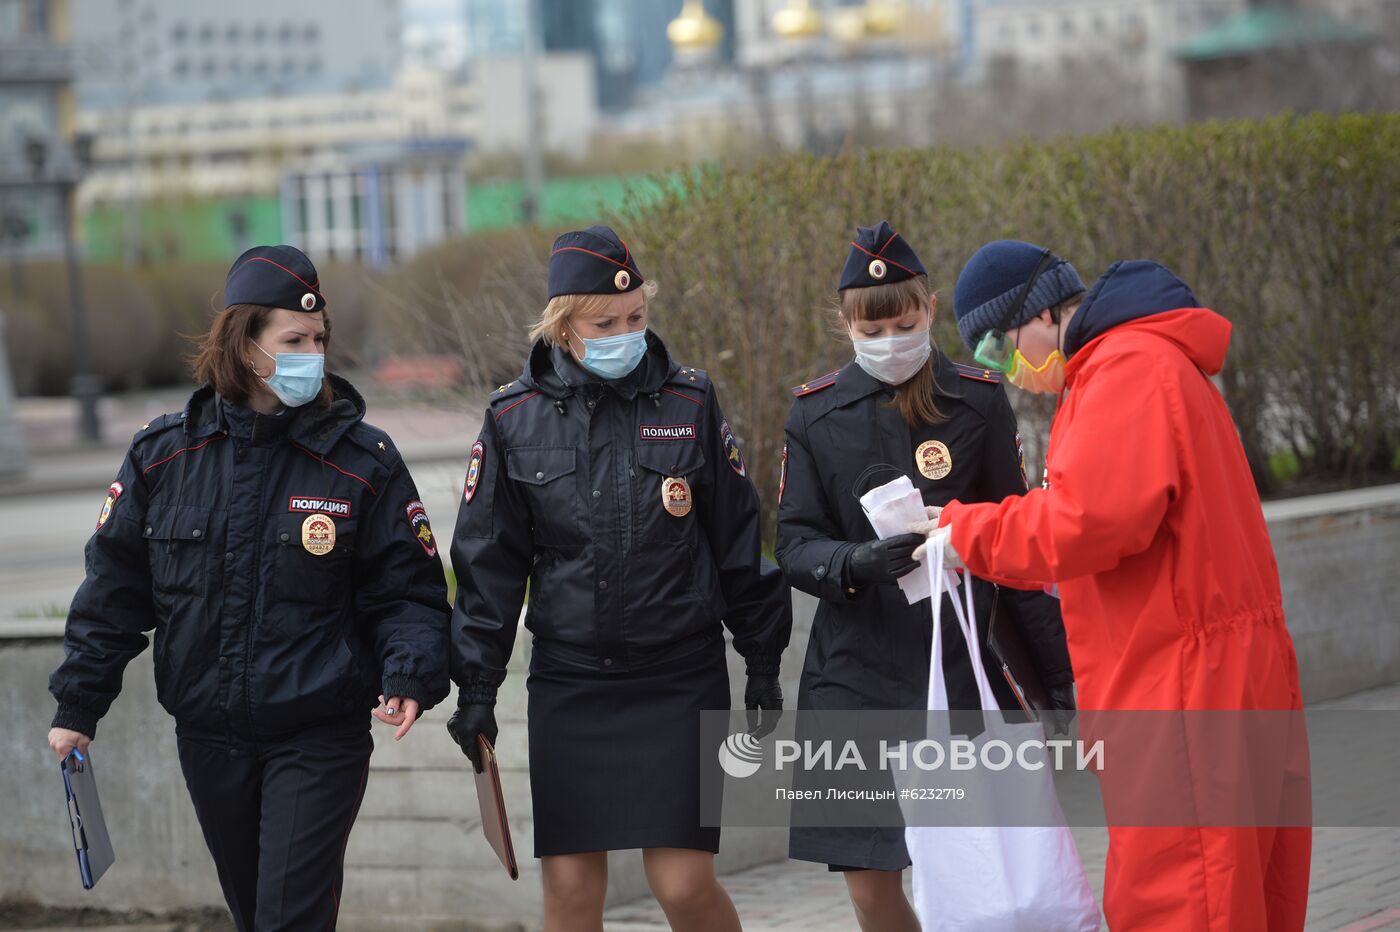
(977, 373)
(816, 385)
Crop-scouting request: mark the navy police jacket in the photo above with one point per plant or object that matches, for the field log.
(284, 563)
(627, 506)
(869, 648)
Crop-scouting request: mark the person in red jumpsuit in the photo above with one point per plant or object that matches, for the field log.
(1150, 524)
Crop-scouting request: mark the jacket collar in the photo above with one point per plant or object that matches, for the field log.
(317, 428)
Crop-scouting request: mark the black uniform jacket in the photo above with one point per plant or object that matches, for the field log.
(869, 648)
(627, 506)
(284, 562)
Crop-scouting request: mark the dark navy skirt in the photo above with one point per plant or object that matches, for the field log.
(615, 759)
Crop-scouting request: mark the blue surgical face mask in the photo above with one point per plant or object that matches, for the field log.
(297, 376)
(615, 356)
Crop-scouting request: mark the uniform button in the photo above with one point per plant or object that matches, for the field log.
(597, 494)
(820, 571)
(592, 403)
(233, 752)
(603, 584)
(539, 475)
(241, 452)
(198, 533)
(229, 556)
(285, 537)
(150, 531)
(223, 660)
(607, 661)
(673, 467)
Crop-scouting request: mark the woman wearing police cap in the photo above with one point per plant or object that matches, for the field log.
(276, 545)
(608, 478)
(899, 407)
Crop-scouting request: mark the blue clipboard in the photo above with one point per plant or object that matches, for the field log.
(90, 839)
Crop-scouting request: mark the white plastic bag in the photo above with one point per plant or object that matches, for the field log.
(991, 878)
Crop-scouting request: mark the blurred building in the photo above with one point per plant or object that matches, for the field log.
(1269, 59)
(135, 52)
(361, 174)
(376, 203)
(626, 39)
(36, 127)
(1129, 42)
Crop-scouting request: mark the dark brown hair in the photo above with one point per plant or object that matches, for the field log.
(914, 399)
(219, 358)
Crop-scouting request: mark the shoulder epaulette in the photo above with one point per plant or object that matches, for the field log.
(374, 441)
(978, 373)
(509, 395)
(816, 385)
(159, 425)
(687, 377)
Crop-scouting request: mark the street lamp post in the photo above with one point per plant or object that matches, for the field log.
(14, 230)
(86, 387)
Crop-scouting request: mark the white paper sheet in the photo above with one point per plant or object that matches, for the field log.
(891, 508)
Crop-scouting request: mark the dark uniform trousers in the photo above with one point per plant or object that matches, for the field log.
(277, 818)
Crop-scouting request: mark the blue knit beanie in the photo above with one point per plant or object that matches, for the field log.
(993, 278)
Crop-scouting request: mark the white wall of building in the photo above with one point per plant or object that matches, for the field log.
(244, 146)
(139, 51)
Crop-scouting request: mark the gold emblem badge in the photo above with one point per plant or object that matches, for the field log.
(622, 279)
(675, 496)
(933, 459)
(877, 270)
(318, 534)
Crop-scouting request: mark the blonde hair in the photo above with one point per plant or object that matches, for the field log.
(915, 398)
(561, 307)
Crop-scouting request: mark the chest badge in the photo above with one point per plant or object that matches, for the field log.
(318, 534)
(675, 496)
(933, 459)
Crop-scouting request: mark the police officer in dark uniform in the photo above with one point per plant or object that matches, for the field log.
(608, 477)
(276, 545)
(900, 406)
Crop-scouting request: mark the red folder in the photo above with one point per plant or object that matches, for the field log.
(494, 824)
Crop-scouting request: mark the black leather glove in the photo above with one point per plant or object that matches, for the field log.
(763, 702)
(882, 562)
(1062, 708)
(470, 720)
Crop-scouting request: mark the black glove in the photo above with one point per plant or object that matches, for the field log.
(881, 562)
(470, 720)
(1062, 708)
(763, 702)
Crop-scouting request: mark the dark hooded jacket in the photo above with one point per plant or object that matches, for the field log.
(567, 487)
(284, 563)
